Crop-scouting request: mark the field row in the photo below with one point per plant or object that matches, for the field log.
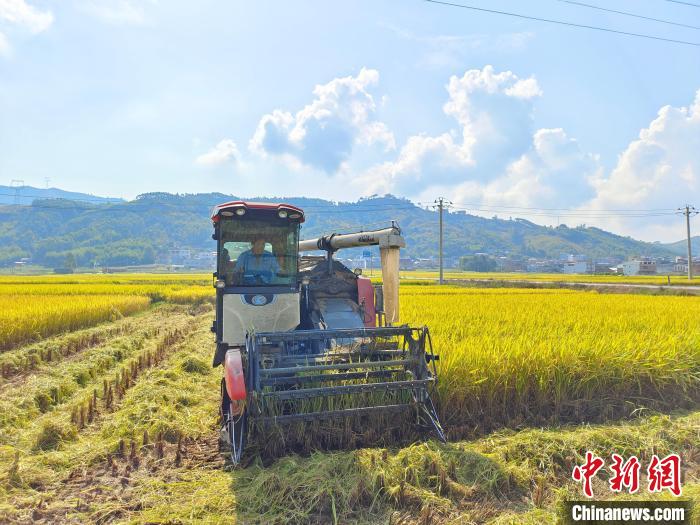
(68, 383)
(138, 411)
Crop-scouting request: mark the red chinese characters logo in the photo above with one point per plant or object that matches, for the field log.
(661, 473)
(665, 474)
(587, 471)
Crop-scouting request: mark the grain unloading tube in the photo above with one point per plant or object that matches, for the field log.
(390, 242)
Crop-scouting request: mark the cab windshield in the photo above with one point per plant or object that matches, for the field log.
(258, 253)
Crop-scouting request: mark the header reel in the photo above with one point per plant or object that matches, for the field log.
(305, 376)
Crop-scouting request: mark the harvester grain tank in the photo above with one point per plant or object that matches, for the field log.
(304, 339)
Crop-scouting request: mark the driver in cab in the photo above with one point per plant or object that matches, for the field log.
(256, 266)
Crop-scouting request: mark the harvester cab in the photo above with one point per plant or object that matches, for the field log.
(304, 340)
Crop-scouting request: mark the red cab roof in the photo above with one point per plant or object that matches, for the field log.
(255, 206)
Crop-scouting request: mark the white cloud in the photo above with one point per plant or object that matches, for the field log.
(494, 113)
(118, 12)
(660, 170)
(224, 152)
(22, 14)
(495, 158)
(323, 133)
(555, 173)
(17, 16)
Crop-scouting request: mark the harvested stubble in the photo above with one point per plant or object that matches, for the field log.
(30, 357)
(161, 398)
(521, 478)
(65, 388)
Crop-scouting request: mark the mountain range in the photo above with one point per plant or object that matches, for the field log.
(27, 194)
(98, 231)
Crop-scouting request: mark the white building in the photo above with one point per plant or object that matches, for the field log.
(576, 267)
(639, 267)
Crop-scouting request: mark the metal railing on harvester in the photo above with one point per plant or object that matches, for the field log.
(292, 376)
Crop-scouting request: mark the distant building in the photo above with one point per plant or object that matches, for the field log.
(178, 256)
(573, 257)
(543, 266)
(576, 267)
(604, 268)
(188, 258)
(681, 265)
(407, 263)
(665, 268)
(509, 265)
(427, 263)
(644, 266)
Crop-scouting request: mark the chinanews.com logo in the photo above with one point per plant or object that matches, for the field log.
(658, 476)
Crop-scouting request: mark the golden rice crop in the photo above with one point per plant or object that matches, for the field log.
(176, 288)
(191, 294)
(516, 355)
(88, 289)
(178, 293)
(30, 317)
(109, 278)
(680, 280)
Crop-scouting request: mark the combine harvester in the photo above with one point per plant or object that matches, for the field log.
(304, 339)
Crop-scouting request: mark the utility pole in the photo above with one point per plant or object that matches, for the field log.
(689, 210)
(17, 185)
(441, 204)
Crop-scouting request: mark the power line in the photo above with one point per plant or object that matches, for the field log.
(564, 212)
(572, 214)
(390, 208)
(564, 23)
(506, 207)
(626, 13)
(684, 3)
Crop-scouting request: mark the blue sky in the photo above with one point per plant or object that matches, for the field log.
(123, 97)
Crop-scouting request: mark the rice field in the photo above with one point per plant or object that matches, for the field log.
(658, 280)
(31, 317)
(32, 308)
(515, 356)
(115, 420)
